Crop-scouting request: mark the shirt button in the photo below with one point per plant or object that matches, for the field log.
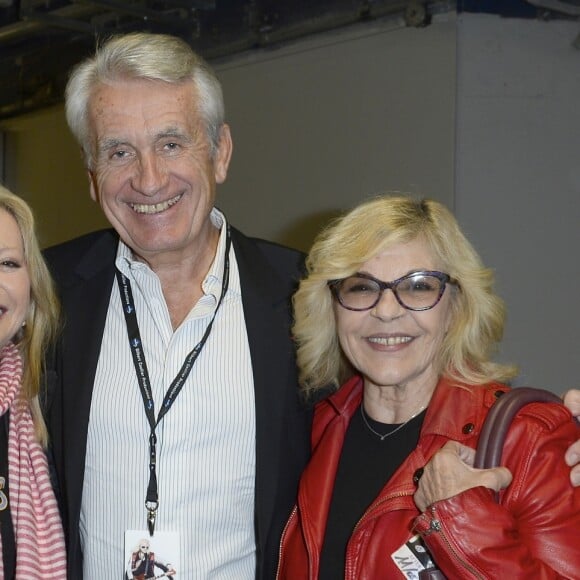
(468, 428)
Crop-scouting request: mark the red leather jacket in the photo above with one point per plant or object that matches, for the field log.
(532, 533)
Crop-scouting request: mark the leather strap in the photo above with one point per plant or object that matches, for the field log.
(498, 420)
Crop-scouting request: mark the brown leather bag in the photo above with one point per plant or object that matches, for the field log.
(493, 434)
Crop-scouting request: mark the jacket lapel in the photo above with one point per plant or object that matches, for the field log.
(266, 306)
(86, 298)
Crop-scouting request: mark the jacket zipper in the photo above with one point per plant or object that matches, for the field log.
(286, 526)
(435, 526)
(376, 505)
(372, 508)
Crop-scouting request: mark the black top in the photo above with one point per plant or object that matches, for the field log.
(366, 465)
(6, 528)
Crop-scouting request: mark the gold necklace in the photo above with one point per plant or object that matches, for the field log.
(382, 437)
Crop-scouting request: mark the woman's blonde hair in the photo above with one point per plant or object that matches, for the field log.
(477, 313)
(42, 319)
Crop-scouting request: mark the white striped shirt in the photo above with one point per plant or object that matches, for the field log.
(206, 442)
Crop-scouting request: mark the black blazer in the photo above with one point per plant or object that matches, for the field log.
(84, 271)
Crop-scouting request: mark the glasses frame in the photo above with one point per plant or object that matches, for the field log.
(441, 276)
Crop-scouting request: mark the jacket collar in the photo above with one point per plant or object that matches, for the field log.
(456, 411)
(457, 399)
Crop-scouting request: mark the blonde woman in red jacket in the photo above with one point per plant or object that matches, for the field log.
(397, 299)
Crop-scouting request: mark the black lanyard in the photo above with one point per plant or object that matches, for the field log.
(152, 497)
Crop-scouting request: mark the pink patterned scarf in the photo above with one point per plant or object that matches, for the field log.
(40, 551)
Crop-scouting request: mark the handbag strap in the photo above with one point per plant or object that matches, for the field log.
(498, 420)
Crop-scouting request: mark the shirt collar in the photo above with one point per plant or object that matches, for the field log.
(212, 283)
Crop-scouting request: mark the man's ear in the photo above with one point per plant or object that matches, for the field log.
(223, 155)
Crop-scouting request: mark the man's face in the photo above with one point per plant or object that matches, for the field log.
(152, 172)
(144, 547)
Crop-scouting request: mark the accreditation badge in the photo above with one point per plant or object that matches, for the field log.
(412, 558)
(149, 557)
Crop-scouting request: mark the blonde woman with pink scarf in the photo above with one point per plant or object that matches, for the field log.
(32, 542)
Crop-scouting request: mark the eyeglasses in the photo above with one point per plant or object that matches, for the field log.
(415, 291)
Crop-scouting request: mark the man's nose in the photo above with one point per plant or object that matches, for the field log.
(151, 175)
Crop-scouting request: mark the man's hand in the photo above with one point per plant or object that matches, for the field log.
(572, 401)
(451, 471)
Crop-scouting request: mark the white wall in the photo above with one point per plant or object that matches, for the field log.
(518, 182)
(323, 123)
(43, 165)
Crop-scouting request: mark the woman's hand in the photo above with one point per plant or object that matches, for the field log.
(572, 401)
(451, 471)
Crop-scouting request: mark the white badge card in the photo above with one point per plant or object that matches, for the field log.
(149, 557)
(412, 558)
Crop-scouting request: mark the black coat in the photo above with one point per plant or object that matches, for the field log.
(84, 271)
